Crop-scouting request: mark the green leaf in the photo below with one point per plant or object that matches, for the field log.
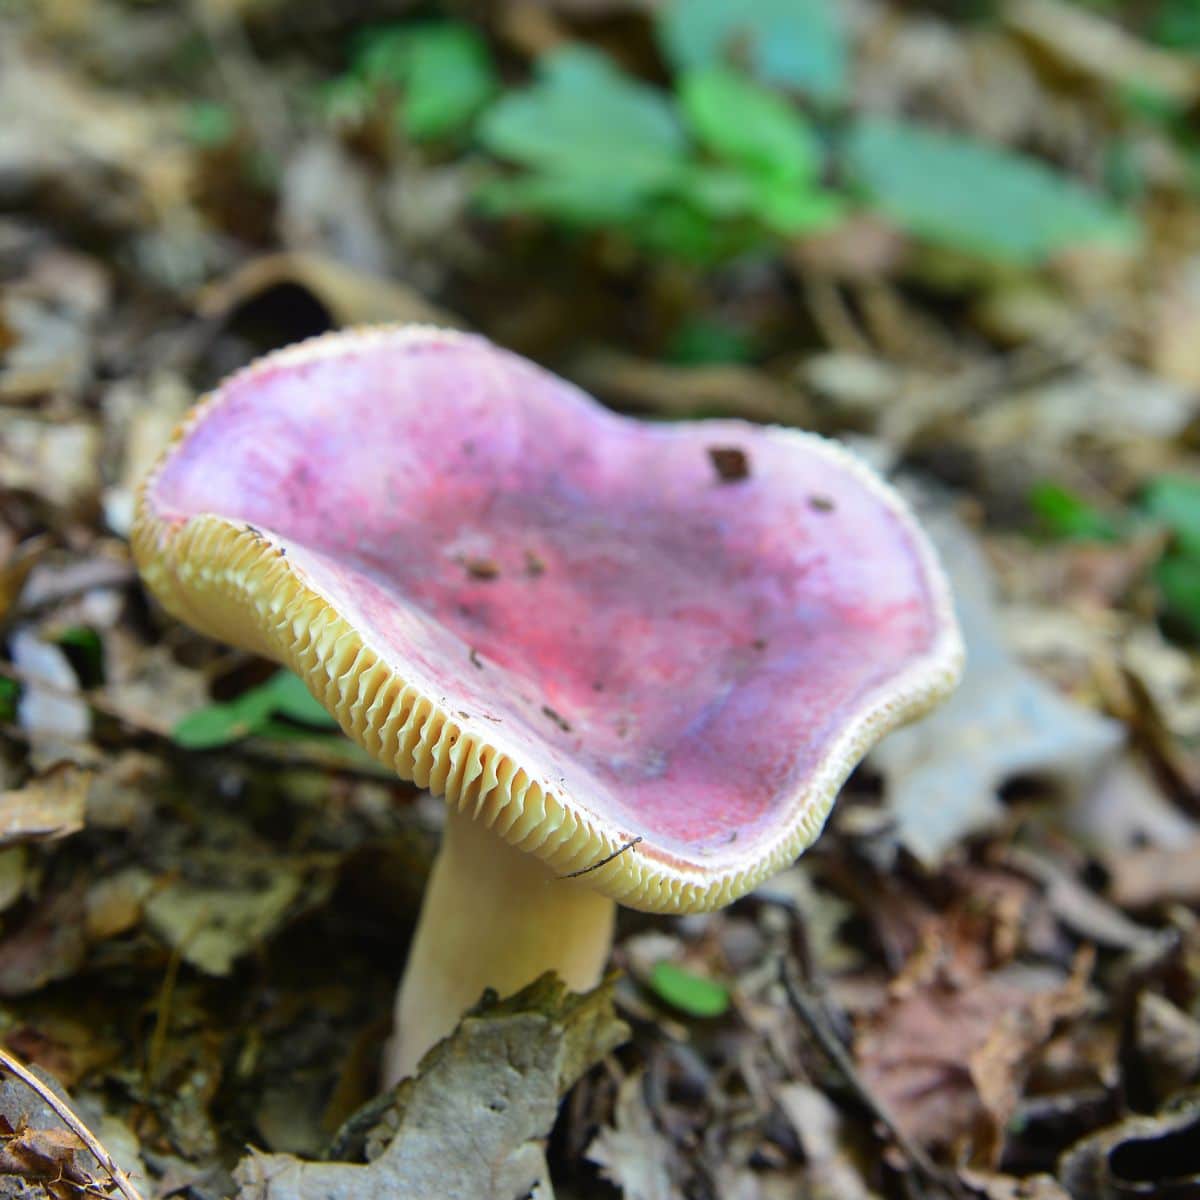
(290, 697)
(86, 642)
(1175, 501)
(219, 724)
(1178, 24)
(582, 199)
(1063, 514)
(740, 121)
(790, 43)
(690, 993)
(585, 122)
(10, 691)
(443, 69)
(701, 341)
(786, 209)
(675, 227)
(209, 124)
(1178, 579)
(451, 77)
(773, 155)
(976, 198)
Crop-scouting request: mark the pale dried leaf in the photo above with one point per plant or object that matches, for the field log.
(58, 462)
(213, 925)
(472, 1125)
(944, 772)
(48, 807)
(1097, 47)
(50, 710)
(633, 1153)
(351, 296)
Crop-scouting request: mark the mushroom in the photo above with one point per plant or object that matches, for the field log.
(638, 660)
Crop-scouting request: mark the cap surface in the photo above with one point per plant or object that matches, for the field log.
(583, 628)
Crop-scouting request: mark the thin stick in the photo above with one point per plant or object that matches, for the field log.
(73, 1123)
(604, 861)
(812, 1012)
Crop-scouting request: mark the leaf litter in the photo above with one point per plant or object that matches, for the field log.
(205, 893)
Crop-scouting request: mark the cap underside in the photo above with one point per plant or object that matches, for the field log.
(588, 630)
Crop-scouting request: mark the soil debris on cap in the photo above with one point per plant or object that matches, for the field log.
(730, 462)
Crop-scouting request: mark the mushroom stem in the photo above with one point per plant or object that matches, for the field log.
(493, 916)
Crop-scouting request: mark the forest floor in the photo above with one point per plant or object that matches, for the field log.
(982, 981)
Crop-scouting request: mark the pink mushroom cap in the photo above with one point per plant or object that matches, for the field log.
(585, 630)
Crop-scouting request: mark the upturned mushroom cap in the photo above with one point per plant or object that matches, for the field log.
(584, 630)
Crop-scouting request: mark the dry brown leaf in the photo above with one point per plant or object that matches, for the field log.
(1096, 47)
(350, 296)
(139, 418)
(16, 562)
(1155, 1157)
(1008, 1187)
(1156, 875)
(113, 158)
(1174, 338)
(50, 945)
(48, 807)
(730, 390)
(59, 462)
(948, 1052)
(1168, 1043)
(1127, 814)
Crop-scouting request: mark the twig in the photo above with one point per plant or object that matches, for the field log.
(73, 1123)
(812, 1012)
(604, 861)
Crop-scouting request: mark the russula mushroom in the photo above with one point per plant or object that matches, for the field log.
(638, 660)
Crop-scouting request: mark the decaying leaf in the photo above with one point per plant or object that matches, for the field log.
(13, 875)
(43, 1157)
(944, 772)
(633, 1153)
(59, 462)
(1168, 1043)
(472, 1124)
(212, 924)
(1156, 875)
(16, 562)
(51, 806)
(690, 391)
(821, 1131)
(1155, 1157)
(49, 945)
(350, 296)
(948, 1050)
(994, 1186)
(51, 711)
(1099, 48)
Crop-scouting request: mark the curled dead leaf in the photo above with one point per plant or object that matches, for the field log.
(48, 807)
